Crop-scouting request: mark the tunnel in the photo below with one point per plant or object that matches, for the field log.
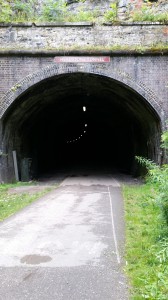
(79, 122)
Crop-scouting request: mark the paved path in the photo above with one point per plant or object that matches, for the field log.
(67, 245)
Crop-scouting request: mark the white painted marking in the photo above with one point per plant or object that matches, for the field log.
(113, 228)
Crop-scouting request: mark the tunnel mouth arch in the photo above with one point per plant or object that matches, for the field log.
(50, 131)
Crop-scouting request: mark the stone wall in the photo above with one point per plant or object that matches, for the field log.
(29, 48)
(79, 36)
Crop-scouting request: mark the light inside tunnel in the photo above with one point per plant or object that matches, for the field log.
(47, 125)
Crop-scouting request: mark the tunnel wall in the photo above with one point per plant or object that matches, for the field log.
(145, 74)
(27, 48)
(105, 70)
(27, 58)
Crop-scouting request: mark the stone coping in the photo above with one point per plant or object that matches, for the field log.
(55, 24)
(52, 53)
(126, 23)
(80, 24)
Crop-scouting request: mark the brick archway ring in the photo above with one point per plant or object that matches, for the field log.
(101, 70)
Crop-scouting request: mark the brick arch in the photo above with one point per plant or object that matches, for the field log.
(102, 70)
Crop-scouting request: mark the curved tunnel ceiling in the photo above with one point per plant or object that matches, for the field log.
(50, 122)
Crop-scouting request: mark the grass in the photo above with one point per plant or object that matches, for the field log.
(146, 14)
(82, 16)
(11, 203)
(146, 244)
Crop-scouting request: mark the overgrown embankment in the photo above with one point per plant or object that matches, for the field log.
(82, 10)
(147, 244)
(147, 232)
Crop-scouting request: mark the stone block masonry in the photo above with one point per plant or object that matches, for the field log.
(69, 36)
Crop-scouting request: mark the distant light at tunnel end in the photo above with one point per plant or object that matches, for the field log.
(84, 108)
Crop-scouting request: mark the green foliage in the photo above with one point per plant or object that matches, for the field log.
(147, 254)
(158, 175)
(82, 16)
(17, 11)
(54, 10)
(22, 10)
(58, 11)
(111, 15)
(147, 13)
(5, 11)
(164, 140)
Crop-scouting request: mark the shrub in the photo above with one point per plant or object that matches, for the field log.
(54, 10)
(23, 10)
(158, 175)
(147, 14)
(82, 15)
(5, 12)
(111, 15)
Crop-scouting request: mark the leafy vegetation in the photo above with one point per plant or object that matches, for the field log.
(82, 15)
(111, 14)
(54, 11)
(58, 11)
(23, 10)
(51, 11)
(147, 13)
(5, 11)
(11, 203)
(147, 219)
(158, 176)
(164, 140)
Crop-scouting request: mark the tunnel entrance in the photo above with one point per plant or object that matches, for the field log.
(88, 135)
(80, 121)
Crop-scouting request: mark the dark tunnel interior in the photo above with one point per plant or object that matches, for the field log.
(81, 122)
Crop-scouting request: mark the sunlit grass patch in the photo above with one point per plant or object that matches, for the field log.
(11, 203)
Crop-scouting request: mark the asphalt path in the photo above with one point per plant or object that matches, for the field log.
(68, 245)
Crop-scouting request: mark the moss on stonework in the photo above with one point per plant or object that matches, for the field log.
(137, 49)
(15, 87)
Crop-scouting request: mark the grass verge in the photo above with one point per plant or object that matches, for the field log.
(11, 203)
(146, 244)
